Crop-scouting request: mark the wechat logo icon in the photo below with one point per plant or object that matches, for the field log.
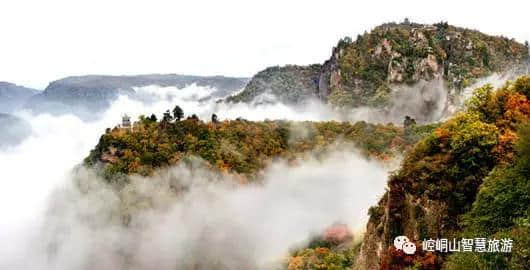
(403, 243)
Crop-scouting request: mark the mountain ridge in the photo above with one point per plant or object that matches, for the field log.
(365, 72)
(13, 96)
(89, 95)
(233, 145)
(437, 192)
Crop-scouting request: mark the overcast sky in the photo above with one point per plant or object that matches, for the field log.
(41, 41)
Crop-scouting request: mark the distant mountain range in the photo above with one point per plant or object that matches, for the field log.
(13, 96)
(86, 96)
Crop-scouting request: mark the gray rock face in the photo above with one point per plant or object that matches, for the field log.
(13, 96)
(87, 96)
(328, 71)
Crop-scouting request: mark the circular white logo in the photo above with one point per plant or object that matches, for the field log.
(403, 243)
(409, 248)
(399, 241)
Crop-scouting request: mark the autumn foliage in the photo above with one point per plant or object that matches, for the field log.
(440, 177)
(397, 260)
(236, 146)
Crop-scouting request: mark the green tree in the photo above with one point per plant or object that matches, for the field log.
(501, 210)
(153, 118)
(178, 113)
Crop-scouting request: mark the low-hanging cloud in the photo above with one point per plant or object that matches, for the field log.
(426, 101)
(214, 224)
(54, 217)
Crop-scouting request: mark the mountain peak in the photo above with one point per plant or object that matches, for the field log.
(368, 70)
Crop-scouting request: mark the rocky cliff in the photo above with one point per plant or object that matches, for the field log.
(370, 70)
(461, 180)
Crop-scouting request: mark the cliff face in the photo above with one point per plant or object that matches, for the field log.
(434, 193)
(407, 53)
(368, 70)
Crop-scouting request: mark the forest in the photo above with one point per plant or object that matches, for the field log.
(239, 146)
(466, 176)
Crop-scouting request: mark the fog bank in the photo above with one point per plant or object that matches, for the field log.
(58, 217)
(214, 224)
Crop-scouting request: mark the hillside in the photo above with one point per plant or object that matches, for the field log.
(239, 146)
(289, 84)
(368, 71)
(467, 178)
(13, 96)
(89, 95)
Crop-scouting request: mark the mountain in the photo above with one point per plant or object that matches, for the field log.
(467, 179)
(13, 96)
(464, 178)
(14, 130)
(234, 145)
(289, 84)
(88, 95)
(377, 66)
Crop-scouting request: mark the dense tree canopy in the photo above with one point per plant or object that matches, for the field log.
(239, 146)
(468, 177)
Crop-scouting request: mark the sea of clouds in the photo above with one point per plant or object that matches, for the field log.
(58, 215)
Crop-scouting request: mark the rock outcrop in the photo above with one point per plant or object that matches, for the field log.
(371, 70)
